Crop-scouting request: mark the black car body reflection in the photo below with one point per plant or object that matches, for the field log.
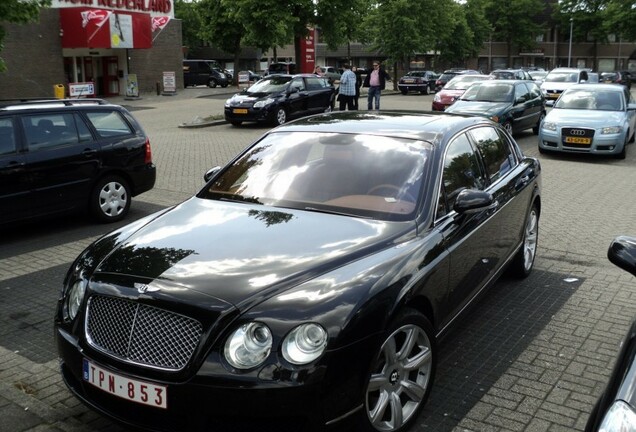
(305, 286)
(277, 98)
(616, 408)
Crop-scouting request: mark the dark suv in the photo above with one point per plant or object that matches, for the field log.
(62, 156)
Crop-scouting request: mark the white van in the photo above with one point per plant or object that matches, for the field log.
(558, 80)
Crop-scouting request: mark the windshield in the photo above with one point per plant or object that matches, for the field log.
(489, 92)
(463, 82)
(360, 175)
(271, 85)
(565, 77)
(583, 99)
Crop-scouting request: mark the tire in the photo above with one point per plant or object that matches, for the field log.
(401, 374)
(508, 127)
(535, 130)
(280, 116)
(224, 85)
(623, 152)
(404, 92)
(110, 199)
(633, 138)
(523, 262)
(212, 83)
(425, 91)
(236, 123)
(542, 150)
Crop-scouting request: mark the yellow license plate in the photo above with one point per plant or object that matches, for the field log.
(553, 96)
(240, 111)
(577, 140)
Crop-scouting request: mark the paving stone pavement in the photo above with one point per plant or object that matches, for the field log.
(531, 356)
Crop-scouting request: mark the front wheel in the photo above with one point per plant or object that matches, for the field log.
(523, 261)
(212, 83)
(404, 91)
(535, 130)
(425, 91)
(280, 116)
(110, 199)
(401, 374)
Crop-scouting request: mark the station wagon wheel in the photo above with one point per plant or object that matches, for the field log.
(212, 83)
(401, 375)
(281, 116)
(110, 199)
(523, 262)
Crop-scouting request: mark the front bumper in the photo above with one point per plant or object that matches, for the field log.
(609, 144)
(249, 114)
(276, 401)
(412, 87)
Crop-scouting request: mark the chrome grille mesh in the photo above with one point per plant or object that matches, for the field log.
(140, 333)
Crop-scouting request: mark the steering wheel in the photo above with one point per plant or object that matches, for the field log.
(391, 188)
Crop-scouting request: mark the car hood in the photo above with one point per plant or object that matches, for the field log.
(449, 94)
(250, 98)
(559, 86)
(237, 252)
(478, 108)
(585, 118)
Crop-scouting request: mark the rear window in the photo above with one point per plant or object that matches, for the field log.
(109, 123)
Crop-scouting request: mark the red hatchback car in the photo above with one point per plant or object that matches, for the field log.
(454, 89)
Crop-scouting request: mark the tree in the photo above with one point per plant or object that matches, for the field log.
(19, 12)
(191, 27)
(587, 18)
(516, 25)
(340, 22)
(620, 19)
(403, 28)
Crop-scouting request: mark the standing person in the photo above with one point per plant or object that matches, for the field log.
(347, 92)
(356, 98)
(375, 81)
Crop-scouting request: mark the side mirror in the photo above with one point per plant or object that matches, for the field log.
(211, 173)
(473, 201)
(622, 253)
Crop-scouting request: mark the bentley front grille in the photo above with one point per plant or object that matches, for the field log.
(141, 334)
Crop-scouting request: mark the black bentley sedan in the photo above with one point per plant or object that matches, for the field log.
(277, 98)
(306, 285)
(615, 410)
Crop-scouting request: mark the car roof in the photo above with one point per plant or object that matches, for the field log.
(598, 86)
(429, 126)
(48, 103)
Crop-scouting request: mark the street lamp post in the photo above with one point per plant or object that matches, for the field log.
(570, 47)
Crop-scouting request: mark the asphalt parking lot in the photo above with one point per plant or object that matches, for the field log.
(532, 356)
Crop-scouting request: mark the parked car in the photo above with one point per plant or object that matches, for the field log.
(615, 410)
(310, 279)
(74, 155)
(203, 72)
(511, 74)
(277, 98)
(538, 76)
(450, 74)
(454, 89)
(616, 77)
(331, 73)
(516, 105)
(280, 68)
(558, 80)
(590, 118)
(419, 81)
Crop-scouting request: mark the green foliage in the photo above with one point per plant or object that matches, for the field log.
(516, 25)
(191, 22)
(18, 12)
(620, 18)
(340, 21)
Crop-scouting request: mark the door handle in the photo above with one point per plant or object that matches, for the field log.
(89, 152)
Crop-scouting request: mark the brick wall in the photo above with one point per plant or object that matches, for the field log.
(165, 56)
(33, 56)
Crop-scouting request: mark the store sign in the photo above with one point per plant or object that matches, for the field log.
(101, 28)
(151, 7)
(76, 90)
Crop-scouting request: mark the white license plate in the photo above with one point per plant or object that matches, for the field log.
(126, 388)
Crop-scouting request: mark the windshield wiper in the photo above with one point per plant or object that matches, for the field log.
(314, 209)
(239, 198)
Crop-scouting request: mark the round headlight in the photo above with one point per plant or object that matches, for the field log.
(75, 298)
(305, 344)
(249, 345)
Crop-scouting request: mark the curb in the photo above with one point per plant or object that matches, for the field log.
(202, 124)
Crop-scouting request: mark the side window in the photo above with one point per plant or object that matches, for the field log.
(461, 171)
(83, 132)
(50, 130)
(297, 84)
(535, 91)
(521, 93)
(314, 83)
(109, 123)
(7, 136)
(495, 151)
